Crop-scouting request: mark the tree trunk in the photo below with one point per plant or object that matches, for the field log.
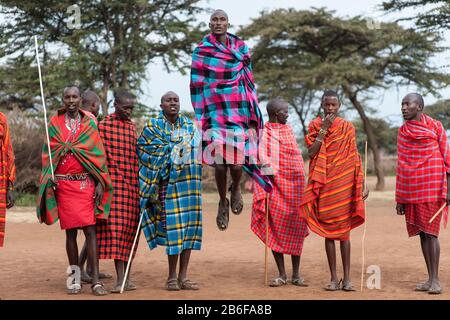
(104, 93)
(371, 140)
(301, 117)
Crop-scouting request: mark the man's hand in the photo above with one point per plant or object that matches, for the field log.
(9, 199)
(98, 193)
(400, 209)
(365, 194)
(328, 121)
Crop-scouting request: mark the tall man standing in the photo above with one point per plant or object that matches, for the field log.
(333, 201)
(223, 95)
(423, 170)
(81, 191)
(115, 236)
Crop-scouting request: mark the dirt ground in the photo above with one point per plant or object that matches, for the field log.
(230, 264)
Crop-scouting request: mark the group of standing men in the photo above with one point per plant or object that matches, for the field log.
(101, 178)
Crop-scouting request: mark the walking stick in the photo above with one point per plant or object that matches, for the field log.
(131, 254)
(43, 105)
(437, 213)
(365, 212)
(266, 206)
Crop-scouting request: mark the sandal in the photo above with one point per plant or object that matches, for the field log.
(435, 289)
(333, 286)
(187, 284)
(277, 282)
(422, 287)
(299, 282)
(129, 286)
(347, 286)
(223, 217)
(237, 205)
(173, 285)
(98, 289)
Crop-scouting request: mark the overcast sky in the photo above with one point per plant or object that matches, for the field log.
(240, 13)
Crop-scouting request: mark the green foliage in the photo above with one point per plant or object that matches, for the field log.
(111, 49)
(300, 53)
(385, 135)
(436, 15)
(440, 111)
(26, 200)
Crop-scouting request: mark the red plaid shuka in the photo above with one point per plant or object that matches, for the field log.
(115, 236)
(7, 170)
(422, 168)
(287, 230)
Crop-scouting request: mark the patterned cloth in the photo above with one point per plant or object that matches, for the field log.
(287, 230)
(423, 161)
(422, 167)
(226, 106)
(7, 171)
(169, 152)
(75, 198)
(332, 203)
(89, 151)
(418, 215)
(115, 236)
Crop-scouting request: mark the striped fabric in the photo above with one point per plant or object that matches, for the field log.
(88, 149)
(287, 230)
(115, 236)
(223, 95)
(423, 161)
(332, 203)
(7, 170)
(169, 152)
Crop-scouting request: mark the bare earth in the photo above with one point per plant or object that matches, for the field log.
(230, 264)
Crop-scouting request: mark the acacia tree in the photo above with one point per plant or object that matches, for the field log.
(300, 53)
(110, 49)
(433, 14)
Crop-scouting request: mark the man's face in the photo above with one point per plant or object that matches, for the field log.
(170, 104)
(72, 99)
(282, 113)
(330, 105)
(411, 108)
(124, 108)
(218, 24)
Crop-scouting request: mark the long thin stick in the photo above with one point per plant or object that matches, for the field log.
(437, 213)
(131, 254)
(43, 104)
(365, 224)
(266, 206)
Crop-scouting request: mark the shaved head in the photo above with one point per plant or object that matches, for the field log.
(219, 12)
(89, 97)
(417, 98)
(166, 94)
(274, 105)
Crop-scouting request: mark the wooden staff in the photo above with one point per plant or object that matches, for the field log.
(266, 207)
(437, 213)
(131, 254)
(365, 212)
(44, 107)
